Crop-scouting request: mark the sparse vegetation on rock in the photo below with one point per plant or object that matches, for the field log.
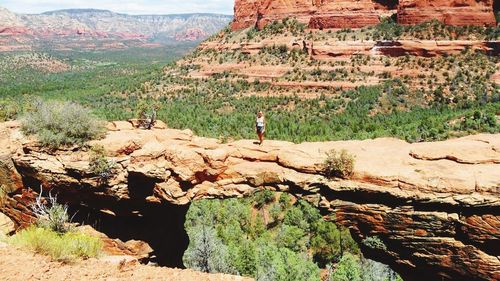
(339, 164)
(374, 242)
(147, 113)
(99, 164)
(58, 124)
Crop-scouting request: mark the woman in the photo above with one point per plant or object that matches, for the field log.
(260, 125)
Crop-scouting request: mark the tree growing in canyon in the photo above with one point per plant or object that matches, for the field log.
(207, 253)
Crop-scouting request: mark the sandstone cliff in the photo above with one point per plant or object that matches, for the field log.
(317, 14)
(452, 12)
(435, 206)
(352, 14)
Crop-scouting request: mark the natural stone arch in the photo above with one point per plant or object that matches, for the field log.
(423, 201)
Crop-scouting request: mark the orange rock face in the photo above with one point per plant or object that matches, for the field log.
(318, 14)
(434, 206)
(452, 12)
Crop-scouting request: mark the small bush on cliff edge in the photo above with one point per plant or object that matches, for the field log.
(62, 123)
(99, 164)
(147, 111)
(339, 164)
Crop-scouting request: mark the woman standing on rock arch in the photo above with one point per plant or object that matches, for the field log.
(260, 126)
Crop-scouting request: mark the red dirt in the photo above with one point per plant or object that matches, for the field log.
(20, 265)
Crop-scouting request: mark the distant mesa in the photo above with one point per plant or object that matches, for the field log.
(192, 34)
(319, 14)
(104, 25)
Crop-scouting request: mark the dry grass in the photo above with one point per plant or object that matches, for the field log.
(65, 247)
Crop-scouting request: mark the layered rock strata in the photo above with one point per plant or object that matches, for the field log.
(451, 12)
(434, 207)
(319, 14)
(316, 14)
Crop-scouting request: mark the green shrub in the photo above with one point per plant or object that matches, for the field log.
(374, 242)
(61, 247)
(293, 238)
(147, 111)
(275, 263)
(8, 110)
(275, 211)
(62, 123)
(295, 217)
(348, 269)
(52, 215)
(99, 164)
(285, 200)
(339, 164)
(263, 197)
(206, 251)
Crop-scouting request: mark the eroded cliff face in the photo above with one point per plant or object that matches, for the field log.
(434, 206)
(451, 12)
(318, 14)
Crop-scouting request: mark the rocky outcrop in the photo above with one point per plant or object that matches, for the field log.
(452, 12)
(329, 50)
(316, 14)
(352, 14)
(433, 207)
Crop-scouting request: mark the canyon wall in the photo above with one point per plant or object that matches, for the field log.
(434, 206)
(318, 14)
(451, 12)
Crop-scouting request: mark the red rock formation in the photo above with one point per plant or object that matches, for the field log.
(327, 50)
(317, 13)
(434, 206)
(452, 12)
(192, 34)
(245, 13)
(340, 13)
(14, 30)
